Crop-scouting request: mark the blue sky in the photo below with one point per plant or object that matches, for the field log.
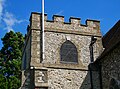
(14, 14)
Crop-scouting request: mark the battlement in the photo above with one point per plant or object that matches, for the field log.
(58, 24)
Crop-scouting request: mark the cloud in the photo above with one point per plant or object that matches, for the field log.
(60, 12)
(11, 21)
(1, 8)
(8, 19)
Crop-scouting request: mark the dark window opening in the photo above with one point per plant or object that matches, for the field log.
(68, 53)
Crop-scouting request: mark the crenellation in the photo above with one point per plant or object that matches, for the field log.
(74, 20)
(57, 18)
(93, 23)
(36, 20)
(92, 27)
(37, 16)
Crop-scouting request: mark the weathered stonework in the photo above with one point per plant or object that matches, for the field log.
(111, 69)
(51, 73)
(65, 79)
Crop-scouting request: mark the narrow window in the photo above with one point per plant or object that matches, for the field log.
(68, 52)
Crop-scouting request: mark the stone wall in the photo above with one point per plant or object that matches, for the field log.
(57, 32)
(111, 69)
(67, 79)
(50, 72)
(26, 58)
(62, 79)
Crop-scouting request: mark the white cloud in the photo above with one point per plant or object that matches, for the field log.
(1, 8)
(10, 21)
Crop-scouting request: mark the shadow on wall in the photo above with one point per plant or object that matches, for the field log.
(86, 82)
(92, 79)
(28, 82)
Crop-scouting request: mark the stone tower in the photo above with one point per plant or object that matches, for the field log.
(67, 54)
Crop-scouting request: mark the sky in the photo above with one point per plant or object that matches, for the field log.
(14, 14)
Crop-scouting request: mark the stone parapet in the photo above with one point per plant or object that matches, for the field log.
(92, 27)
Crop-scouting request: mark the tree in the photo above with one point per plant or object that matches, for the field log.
(10, 59)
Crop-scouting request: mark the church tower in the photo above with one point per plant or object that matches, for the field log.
(67, 53)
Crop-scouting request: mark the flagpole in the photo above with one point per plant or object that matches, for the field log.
(43, 34)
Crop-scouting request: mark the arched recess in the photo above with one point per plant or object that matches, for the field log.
(68, 52)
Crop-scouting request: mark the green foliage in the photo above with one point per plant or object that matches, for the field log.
(10, 60)
(14, 82)
(3, 82)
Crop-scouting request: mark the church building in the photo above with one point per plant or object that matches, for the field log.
(76, 55)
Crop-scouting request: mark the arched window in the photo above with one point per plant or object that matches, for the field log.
(68, 53)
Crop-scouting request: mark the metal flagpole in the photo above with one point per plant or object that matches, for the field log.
(43, 34)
